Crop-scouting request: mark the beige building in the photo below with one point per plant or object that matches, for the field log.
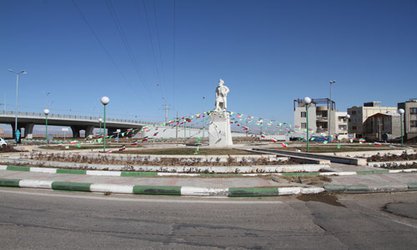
(358, 116)
(382, 127)
(318, 115)
(410, 118)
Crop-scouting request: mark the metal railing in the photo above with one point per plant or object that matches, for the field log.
(72, 117)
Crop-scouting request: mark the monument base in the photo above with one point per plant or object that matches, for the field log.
(220, 134)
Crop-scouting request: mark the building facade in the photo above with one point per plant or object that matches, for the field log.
(410, 118)
(319, 111)
(358, 116)
(382, 127)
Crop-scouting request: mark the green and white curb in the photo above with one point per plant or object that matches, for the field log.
(361, 188)
(159, 190)
(150, 174)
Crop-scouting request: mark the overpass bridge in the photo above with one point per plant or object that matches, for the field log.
(77, 123)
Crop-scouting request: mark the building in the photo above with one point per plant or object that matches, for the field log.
(358, 116)
(410, 118)
(319, 112)
(382, 127)
(341, 123)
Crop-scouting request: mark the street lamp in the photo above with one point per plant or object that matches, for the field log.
(401, 112)
(17, 132)
(100, 121)
(330, 109)
(307, 101)
(46, 112)
(104, 100)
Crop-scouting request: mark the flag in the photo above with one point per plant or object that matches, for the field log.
(284, 145)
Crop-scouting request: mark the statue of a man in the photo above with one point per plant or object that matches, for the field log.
(221, 96)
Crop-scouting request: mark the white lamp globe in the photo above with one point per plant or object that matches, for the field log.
(46, 111)
(307, 100)
(401, 111)
(105, 100)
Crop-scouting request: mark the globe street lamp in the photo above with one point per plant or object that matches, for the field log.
(46, 112)
(307, 101)
(104, 100)
(401, 112)
(17, 132)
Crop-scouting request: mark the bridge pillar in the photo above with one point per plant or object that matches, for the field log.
(75, 131)
(89, 130)
(29, 130)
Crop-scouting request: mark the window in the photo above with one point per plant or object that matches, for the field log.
(413, 111)
(413, 123)
(354, 128)
(303, 125)
(353, 112)
(303, 114)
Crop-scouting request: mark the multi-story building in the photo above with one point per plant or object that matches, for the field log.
(319, 112)
(382, 127)
(410, 118)
(341, 123)
(358, 116)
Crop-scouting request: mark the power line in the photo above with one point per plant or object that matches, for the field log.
(152, 44)
(106, 51)
(125, 41)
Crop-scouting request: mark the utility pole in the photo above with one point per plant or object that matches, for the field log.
(176, 128)
(330, 109)
(165, 108)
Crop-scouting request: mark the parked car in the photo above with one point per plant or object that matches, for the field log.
(3, 143)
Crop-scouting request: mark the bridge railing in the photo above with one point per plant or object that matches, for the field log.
(75, 117)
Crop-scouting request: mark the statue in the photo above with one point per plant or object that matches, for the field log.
(221, 96)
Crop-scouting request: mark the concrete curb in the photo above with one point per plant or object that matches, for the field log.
(253, 169)
(159, 190)
(152, 174)
(361, 188)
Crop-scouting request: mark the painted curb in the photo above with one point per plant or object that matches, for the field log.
(155, 174)
(159, 190)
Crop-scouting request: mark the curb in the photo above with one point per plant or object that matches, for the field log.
(166, 174)
(360, 188)
(159, 190)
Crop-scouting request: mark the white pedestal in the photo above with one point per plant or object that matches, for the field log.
(220, 134)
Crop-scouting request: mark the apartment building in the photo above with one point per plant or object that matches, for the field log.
(358, 116)
(410, 118)
(382, 127)
(319, 111)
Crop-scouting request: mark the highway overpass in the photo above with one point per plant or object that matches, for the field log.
(27, 120)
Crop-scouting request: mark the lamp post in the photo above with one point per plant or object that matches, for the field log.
(46, 112)
(330, 109)
(401, 112)
(307, 101)
(17, 133)
(104, 100)
(100, 121)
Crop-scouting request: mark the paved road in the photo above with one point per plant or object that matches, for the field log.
(41, 219)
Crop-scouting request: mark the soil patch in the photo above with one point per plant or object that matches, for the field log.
(389, 157)
(307, 180)
(323, 197)
(189, 151)
(8, 149)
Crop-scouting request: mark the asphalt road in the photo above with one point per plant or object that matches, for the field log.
(41, 219)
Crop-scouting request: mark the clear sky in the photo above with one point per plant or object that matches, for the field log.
(143, 54)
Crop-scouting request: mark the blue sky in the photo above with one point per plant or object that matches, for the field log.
(268, 53)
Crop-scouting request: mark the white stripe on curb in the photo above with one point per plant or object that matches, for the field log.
(43, 170)
(312, 190)
(3, 167)
(103, 173)
(112, 188)
(202, 191)
(35, 184)
(338, 173)
(395, 171)
(289, 190)
(177, 174)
